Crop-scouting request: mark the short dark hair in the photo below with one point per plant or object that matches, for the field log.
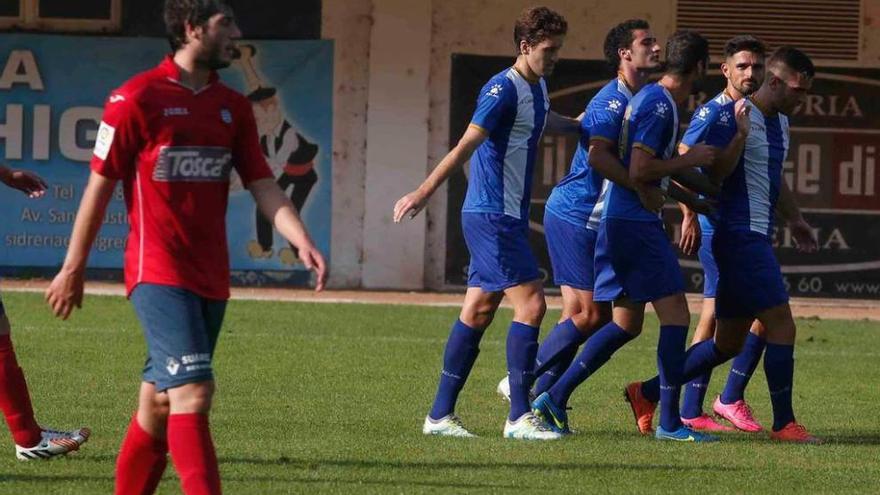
(685, 49)
(794, 59)
(536, 24)
(621, 36)
(195, 12)
(745, 42)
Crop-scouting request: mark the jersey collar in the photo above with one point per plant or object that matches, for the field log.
(172, 72)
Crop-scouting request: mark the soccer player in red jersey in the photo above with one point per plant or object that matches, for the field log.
(31, 441)
(172, 135)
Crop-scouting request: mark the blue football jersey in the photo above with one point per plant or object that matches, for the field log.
(578, 198)
(749, 194)
(651, 124)
(704, 117)
(513, 113)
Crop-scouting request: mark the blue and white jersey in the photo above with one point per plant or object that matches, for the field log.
(704, 117)
(578, 198)
(651, 124)
(513, 113)
(749, 194)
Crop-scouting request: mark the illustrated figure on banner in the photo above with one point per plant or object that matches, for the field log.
(290, 155)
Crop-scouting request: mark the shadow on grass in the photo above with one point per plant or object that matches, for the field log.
(313, 464)
(17, 478)
(867, 438)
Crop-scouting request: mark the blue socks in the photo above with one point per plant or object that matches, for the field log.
(694, 396)
(461, 351)
(556, 354)
(779, 367)
(598, 350)
(743, 367)
(522, 347)
(670, 363)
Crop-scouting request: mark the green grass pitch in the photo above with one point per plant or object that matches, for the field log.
(329, 398)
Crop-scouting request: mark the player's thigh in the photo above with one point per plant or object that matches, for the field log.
(572, 301)
(528, 302)
(672, 310)
(779, 324)
(179, 341)
(479, 307)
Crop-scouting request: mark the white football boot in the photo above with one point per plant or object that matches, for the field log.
(529, 427)
(447, 426)
(53, 443)
(503, 389)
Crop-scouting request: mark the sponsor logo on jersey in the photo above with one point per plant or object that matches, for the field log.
(193, 164)
(661, 109)
(226, 116)
(172, 111)
(494, 91)
(172, 365)
(614, 105)
(103, 140)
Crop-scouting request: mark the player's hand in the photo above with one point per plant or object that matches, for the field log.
(652, 198)
(409, 205)
(314, 261)
(690, 234)
(65, 292)
(804, 236)
(701, 154)
(741, 112)
(26, 182)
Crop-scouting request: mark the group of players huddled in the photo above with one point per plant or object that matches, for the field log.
(609, 251)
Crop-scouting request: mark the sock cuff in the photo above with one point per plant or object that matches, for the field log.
(187, 420)
(142, 436)
(523, 329)
(674, 328)
(778, 351)
(472, 335)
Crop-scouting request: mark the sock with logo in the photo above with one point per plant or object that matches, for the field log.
(670, 363)
(15, 400)
(779, 368)
(192, 452)
(141, 462)
(597, 351)
(744, 365)
(700, 359)
(461, 352)
(694, 396)
(522, 346)
(556, 354)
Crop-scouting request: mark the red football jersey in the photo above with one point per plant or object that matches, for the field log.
(173, 149)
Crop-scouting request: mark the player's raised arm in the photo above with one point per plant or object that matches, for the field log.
(728, 157)
(66, 289)
(26, 182)
(275, 205)
(412, 203)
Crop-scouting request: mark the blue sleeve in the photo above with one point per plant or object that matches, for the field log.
(496, 99)
(651, 125)
(703, 118)
(722, 130)
(603, 121)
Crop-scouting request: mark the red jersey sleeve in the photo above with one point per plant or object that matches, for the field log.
(248, 156)
(119, 137)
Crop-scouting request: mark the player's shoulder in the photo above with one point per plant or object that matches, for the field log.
(652, 100)
(613, 97)
(136, 88)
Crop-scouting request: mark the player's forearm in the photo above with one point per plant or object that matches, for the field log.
(689, 202)
(275, 205)
(88, 221)
(786, 206)
(696, 181)
(651, 169)
(607, 164)
(561, 124)
(452, 161)
(726, 161)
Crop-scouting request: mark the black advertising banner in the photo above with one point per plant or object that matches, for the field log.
(831, 168)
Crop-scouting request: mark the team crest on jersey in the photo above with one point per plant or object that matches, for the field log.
(494, 91)
(614, 105)
(703, 113)
(661, 109)
(226, 116)
(724, 118)
(193, 164)
(104, 140)
(172, 365)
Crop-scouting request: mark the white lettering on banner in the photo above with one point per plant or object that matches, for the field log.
(70, 119)
(21, 68)
(857, 176)
(10, 131)
(13, 132)
(829, 106)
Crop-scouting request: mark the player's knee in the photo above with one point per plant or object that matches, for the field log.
(730, 344)
(532, 310)
(479, 316)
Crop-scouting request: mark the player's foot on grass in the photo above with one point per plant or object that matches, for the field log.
(551, 413)
(684, 434)
(529, 427)
(795, 433)
(642, 408)
(739, 414)
(53, 443)
(447, 426)
(256, 251)
(704, 422)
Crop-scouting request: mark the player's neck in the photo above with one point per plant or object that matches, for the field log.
(733, 94)
(632, 77)
(192, 74)
(762, 101)
(522, 67)
(678, 86)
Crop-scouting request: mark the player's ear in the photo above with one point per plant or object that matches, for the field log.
(624, 53)
(524, 47)
(725, 69)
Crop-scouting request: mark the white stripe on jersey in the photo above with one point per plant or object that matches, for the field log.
(756, 157)
(516, 157)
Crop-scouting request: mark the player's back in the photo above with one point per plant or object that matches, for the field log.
(512, 112)
(578, 197)
(651, 124)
